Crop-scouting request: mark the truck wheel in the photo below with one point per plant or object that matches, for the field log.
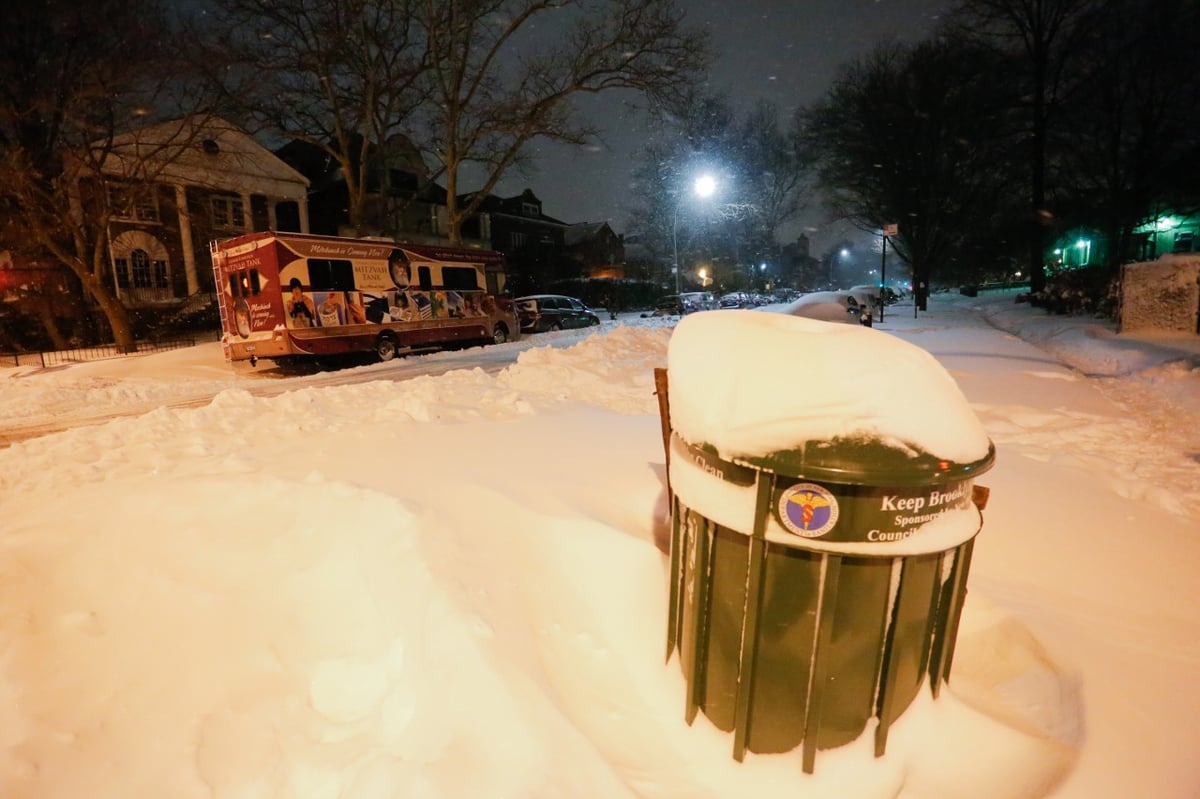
(500, 334)
(385, 347)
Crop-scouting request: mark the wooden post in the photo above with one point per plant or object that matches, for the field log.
(664, 415)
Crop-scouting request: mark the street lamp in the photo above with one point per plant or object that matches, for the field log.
(836, 259)
(704, 186)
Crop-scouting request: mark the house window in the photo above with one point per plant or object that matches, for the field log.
(1184, 240)
(140, 261)
(162, 278)
(517, 239)
(228, 212)
(530, 209)
(140, 272)
(138, 203)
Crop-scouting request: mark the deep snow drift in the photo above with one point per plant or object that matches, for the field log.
(456, 586)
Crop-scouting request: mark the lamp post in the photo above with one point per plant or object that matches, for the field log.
(704, 186)
(835, 259)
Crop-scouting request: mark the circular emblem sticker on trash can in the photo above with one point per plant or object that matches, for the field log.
(808, 510)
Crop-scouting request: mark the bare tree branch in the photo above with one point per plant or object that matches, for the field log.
(496, 85)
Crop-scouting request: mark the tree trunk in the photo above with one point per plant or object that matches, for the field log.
(453, 215)
(44, 309)
(116, 314)
(1037, 230)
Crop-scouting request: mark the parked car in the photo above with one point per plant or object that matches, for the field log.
(541, 312)
(671, 305)
(830, 306)
(736, 299)
(867, 295)
(699, 301)
(685, 303)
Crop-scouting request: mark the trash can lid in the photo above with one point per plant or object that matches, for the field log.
(868, 462)
(756, 384)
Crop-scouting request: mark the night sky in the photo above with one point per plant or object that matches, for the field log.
(786, 51)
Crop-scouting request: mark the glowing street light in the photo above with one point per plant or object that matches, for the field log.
(837, 259)
(704, 186)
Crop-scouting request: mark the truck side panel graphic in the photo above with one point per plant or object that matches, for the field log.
(285, 295)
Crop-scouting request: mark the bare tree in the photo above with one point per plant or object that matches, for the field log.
(505, 72)
(1128, 149)
(773, 167)
(68, 86)
(916, 136)
(759, 175)
(1047, 33)
(696, 133)
(771, 177)
(341, 75)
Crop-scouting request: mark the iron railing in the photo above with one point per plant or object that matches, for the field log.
(100, 352)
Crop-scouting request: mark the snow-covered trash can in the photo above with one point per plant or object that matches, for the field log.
(823, 516)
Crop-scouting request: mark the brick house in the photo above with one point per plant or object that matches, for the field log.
(407, 206)
(595, 249)
(533, 243)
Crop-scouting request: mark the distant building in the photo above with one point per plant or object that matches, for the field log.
(27, 281)
(1166, 233)
(798, 268)
(595, 249)
(407, 206)
(534, 244)
(401, 202)
(1171, 233)
(175, 186)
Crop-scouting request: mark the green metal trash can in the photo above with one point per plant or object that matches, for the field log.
(827, 609)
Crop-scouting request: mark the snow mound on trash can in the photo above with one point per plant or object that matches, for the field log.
(751, 383)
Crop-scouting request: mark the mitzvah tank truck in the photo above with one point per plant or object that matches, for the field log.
(293, 296)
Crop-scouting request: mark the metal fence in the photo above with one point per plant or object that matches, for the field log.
(81, 354)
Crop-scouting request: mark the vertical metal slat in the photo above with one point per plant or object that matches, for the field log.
(755, 564)
(830, 575)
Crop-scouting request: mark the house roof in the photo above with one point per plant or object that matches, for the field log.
(512, 206)
(408, 171)
(583, 231)
(206, 151)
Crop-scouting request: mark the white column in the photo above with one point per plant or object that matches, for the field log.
(185, 239)
(247, 213)
(302, 204)
(272, 222)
